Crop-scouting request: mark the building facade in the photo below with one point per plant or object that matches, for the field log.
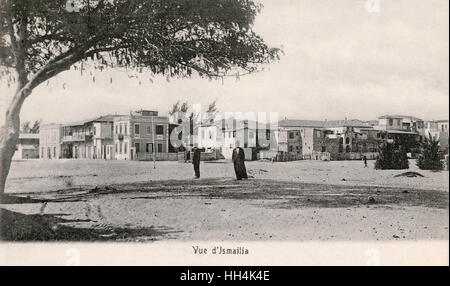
(50, 146)
(88, 139)
(439, 129)
(141, 135)
(27, 146)
(326, 140)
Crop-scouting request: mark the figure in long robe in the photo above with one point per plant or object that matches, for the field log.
(196, 162)
(238, 161)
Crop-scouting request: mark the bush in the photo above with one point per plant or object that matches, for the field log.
(392, 156)
(429, 157)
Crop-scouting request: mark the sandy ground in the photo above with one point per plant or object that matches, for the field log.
(49, 175)
(294, 201)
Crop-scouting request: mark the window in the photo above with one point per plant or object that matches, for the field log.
(324, 148)
(291, 135)
(136, 129)
(126, 128)
(159, 130)
(125, 148)
(95, 130)
(318, 134)
(160, 148)
(54, 152)
(115, 128)
(347, 140)
(149, 129)
(149, 148)
(291, 148)
(120, 129)
(117, 149)
(398, 122)
(137, 147)
(267, 134)
(120, 148)
(391, 122)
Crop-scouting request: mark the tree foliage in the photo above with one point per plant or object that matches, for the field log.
(179, 107)
(429, 157)
(170, 37)
(27, 128)
(392, 156)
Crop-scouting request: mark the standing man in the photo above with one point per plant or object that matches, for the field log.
(365, 161)
(196, 161)
(238, 161)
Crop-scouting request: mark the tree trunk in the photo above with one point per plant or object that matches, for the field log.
(9, 134)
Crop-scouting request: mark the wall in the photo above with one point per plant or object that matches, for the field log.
(50, 137)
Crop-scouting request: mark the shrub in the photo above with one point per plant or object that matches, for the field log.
(392, 156)
(429, 157)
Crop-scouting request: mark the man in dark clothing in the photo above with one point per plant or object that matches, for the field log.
(196, 162)
(238, 161)
(365, 161)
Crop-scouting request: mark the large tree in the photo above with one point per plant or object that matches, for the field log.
(42, 38)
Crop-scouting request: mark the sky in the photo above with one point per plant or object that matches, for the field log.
(341, 60)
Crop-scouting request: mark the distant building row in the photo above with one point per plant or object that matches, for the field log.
(144, 135)
(136, 136)
(318, 140)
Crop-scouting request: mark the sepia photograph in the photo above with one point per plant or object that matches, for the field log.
(224, 132)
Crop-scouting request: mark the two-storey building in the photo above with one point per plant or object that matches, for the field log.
(141, 135)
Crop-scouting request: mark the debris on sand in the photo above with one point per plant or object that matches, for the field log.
(371, 200)
(258, 172)
(395, 236)
(405, 192)
(103, 189)
(343, 180)
(409, 175)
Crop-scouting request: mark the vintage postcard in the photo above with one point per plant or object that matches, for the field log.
(224, 132)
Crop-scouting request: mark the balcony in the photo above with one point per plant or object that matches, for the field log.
(73, 138)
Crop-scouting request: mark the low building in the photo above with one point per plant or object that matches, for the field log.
(408, 129)
(27, 146)
(404, 123)
(326, 140)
